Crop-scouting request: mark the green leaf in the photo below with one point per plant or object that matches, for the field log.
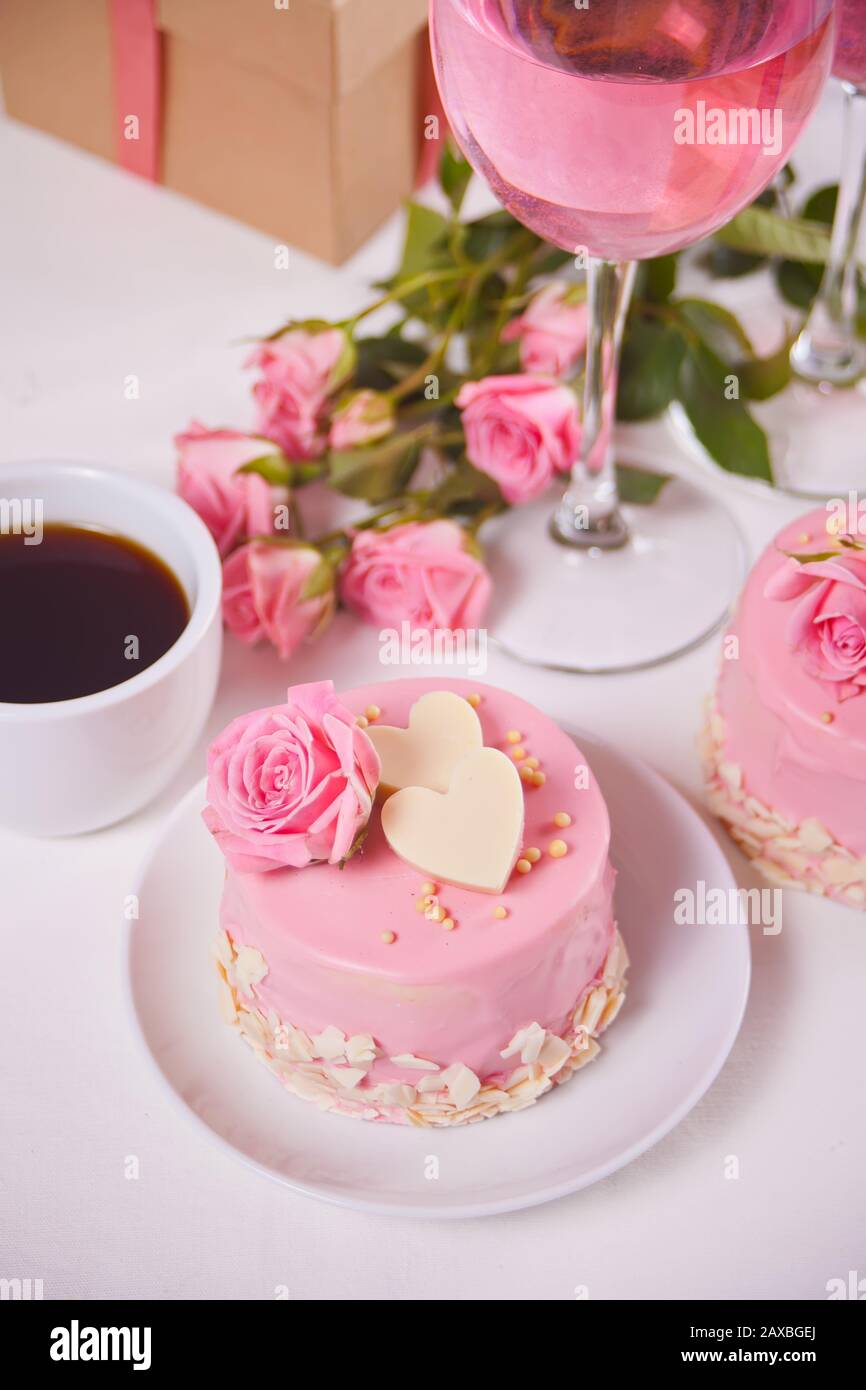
(723, 263)
(455, 173)
(384, 360)
(763, 377)
(319, 581)
(722, 332)
(798, 284)
(656, 279)
(638, 485)
(380, 471)
(724, 427)
(488, 235)
(649, 372)
(274, 468)
(464, 487)
(821, 206)
(764, 233)
(425, 246)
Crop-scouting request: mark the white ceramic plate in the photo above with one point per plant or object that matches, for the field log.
(687, 993)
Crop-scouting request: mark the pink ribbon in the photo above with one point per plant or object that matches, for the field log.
(136, 59)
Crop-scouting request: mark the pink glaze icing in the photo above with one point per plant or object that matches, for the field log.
(791, 759)
(457, 996)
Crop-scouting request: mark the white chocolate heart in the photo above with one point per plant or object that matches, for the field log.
(443, 728)
(469, 836)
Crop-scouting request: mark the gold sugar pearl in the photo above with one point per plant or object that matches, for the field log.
(388, 937)
(421, 904)
(523, 866)
(500, 912)
(533, 855)
(518, 754)
(526, 773)
(557, 849)
(372, 712)
(474, 699)
(427, 889)
(513, 736)
(539, 779)
(827, 717)
(804, 538)
(562, 819)
(449, 924)
(362, 721)
(533, 763)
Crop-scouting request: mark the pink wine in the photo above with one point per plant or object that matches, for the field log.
(850, 60)
(629, 128)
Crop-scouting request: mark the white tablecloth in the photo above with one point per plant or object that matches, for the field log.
(104, 276)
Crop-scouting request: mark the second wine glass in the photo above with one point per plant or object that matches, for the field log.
(623, 131)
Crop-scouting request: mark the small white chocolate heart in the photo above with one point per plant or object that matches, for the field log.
(469, 836)
(443, 728)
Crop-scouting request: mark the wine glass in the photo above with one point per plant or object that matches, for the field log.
(597, 126)
(816, 426)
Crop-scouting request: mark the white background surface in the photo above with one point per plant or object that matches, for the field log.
(104, 276)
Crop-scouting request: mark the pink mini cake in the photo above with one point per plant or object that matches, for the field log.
(785, 748)
(440, 954)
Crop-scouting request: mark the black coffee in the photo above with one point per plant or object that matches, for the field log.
(81, 611)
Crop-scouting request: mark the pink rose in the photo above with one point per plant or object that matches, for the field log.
(828, 621)
(292, 785)
(552, 333)
(520, 430)
(232, 505)
(300, 371)
(283, 593)
(362, 419)
(420, 573)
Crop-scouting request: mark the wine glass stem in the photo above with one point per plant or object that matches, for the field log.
(828, 350)
(589, 513)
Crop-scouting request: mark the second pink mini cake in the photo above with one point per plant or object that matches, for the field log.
(417, 923)
(785, 747)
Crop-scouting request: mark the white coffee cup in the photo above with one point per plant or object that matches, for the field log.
(77, 765)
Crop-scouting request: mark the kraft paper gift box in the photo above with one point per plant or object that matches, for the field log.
(303, 118)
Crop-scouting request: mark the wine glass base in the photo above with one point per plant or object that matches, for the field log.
(595, 611)
(817, 439)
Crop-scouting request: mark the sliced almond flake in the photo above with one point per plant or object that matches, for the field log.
(222, 949)
(554, 1054)
(855, 893)
(406, 1059)
(249, 969)
(814, 836)
(611, 1009)
(593, 1008)
(461, 1083)
(732, 775)
(299, 1046)
(398, 1093)
(527, 1041)
(346, 1077)
(841, 871)
(361, 1048)
(774, 873)
(228, 1008)
(329, 1044)
(430, 1083)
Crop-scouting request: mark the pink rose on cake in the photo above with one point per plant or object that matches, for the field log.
(552, 333)
(293, 785)
(421, 573)
(521, 431)
(283, 592)
(300, 371)
(232, 505)
(828, 621)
